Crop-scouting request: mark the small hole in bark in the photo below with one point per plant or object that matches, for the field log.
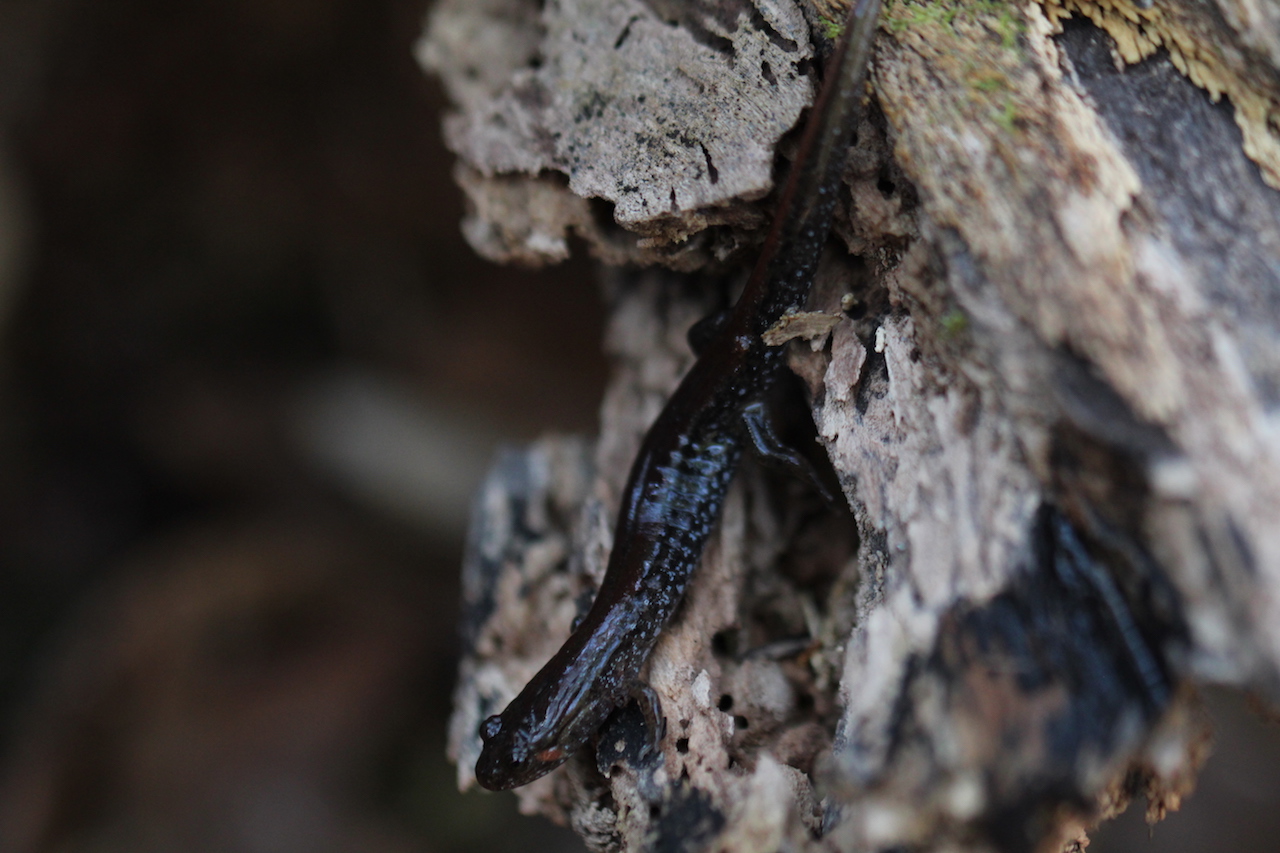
(655, 810)
(682, 745)
(723, 643)
(740, 722)
(805, 701)
(625, 34)
(779, 40)
(602, 213)
(885, 184)
(712, 172)
(726, 703)
(766, 71)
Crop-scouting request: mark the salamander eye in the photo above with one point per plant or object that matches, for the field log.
(490, 728)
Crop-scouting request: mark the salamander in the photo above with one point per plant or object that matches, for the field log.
(678, 481)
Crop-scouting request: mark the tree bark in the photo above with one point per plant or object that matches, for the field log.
(1049, 389)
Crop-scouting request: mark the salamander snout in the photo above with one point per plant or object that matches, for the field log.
(508, 759)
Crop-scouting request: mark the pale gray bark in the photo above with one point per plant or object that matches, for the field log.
(1052, 404)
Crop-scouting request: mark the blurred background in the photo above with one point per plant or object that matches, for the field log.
(249, 377)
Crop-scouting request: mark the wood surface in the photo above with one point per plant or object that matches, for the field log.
(1050, 396)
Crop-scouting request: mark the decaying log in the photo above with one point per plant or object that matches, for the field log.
(1049, 392)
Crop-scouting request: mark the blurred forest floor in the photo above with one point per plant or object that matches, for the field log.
(249, 377)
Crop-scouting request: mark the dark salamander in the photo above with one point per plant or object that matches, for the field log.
(679, 479)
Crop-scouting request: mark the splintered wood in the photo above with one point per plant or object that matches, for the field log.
(1049, 393)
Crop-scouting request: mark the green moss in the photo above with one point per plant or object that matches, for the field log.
(983, 68)
(1009, 26)
(1007, 116)
(989, 81)
(916, 14)
(999, 15)
(954, 323)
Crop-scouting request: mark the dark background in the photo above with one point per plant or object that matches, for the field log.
(249, 376)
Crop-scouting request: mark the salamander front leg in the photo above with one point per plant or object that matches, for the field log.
(632, 735)
(651, 708)
(769, 449)
(703, 332)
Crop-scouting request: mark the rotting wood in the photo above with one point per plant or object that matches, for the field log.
(1051, 405)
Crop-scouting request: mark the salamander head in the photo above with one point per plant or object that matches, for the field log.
(512, 756)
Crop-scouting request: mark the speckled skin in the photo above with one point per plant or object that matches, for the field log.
(678, 481)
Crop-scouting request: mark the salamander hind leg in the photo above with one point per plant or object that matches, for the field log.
(770, 450)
